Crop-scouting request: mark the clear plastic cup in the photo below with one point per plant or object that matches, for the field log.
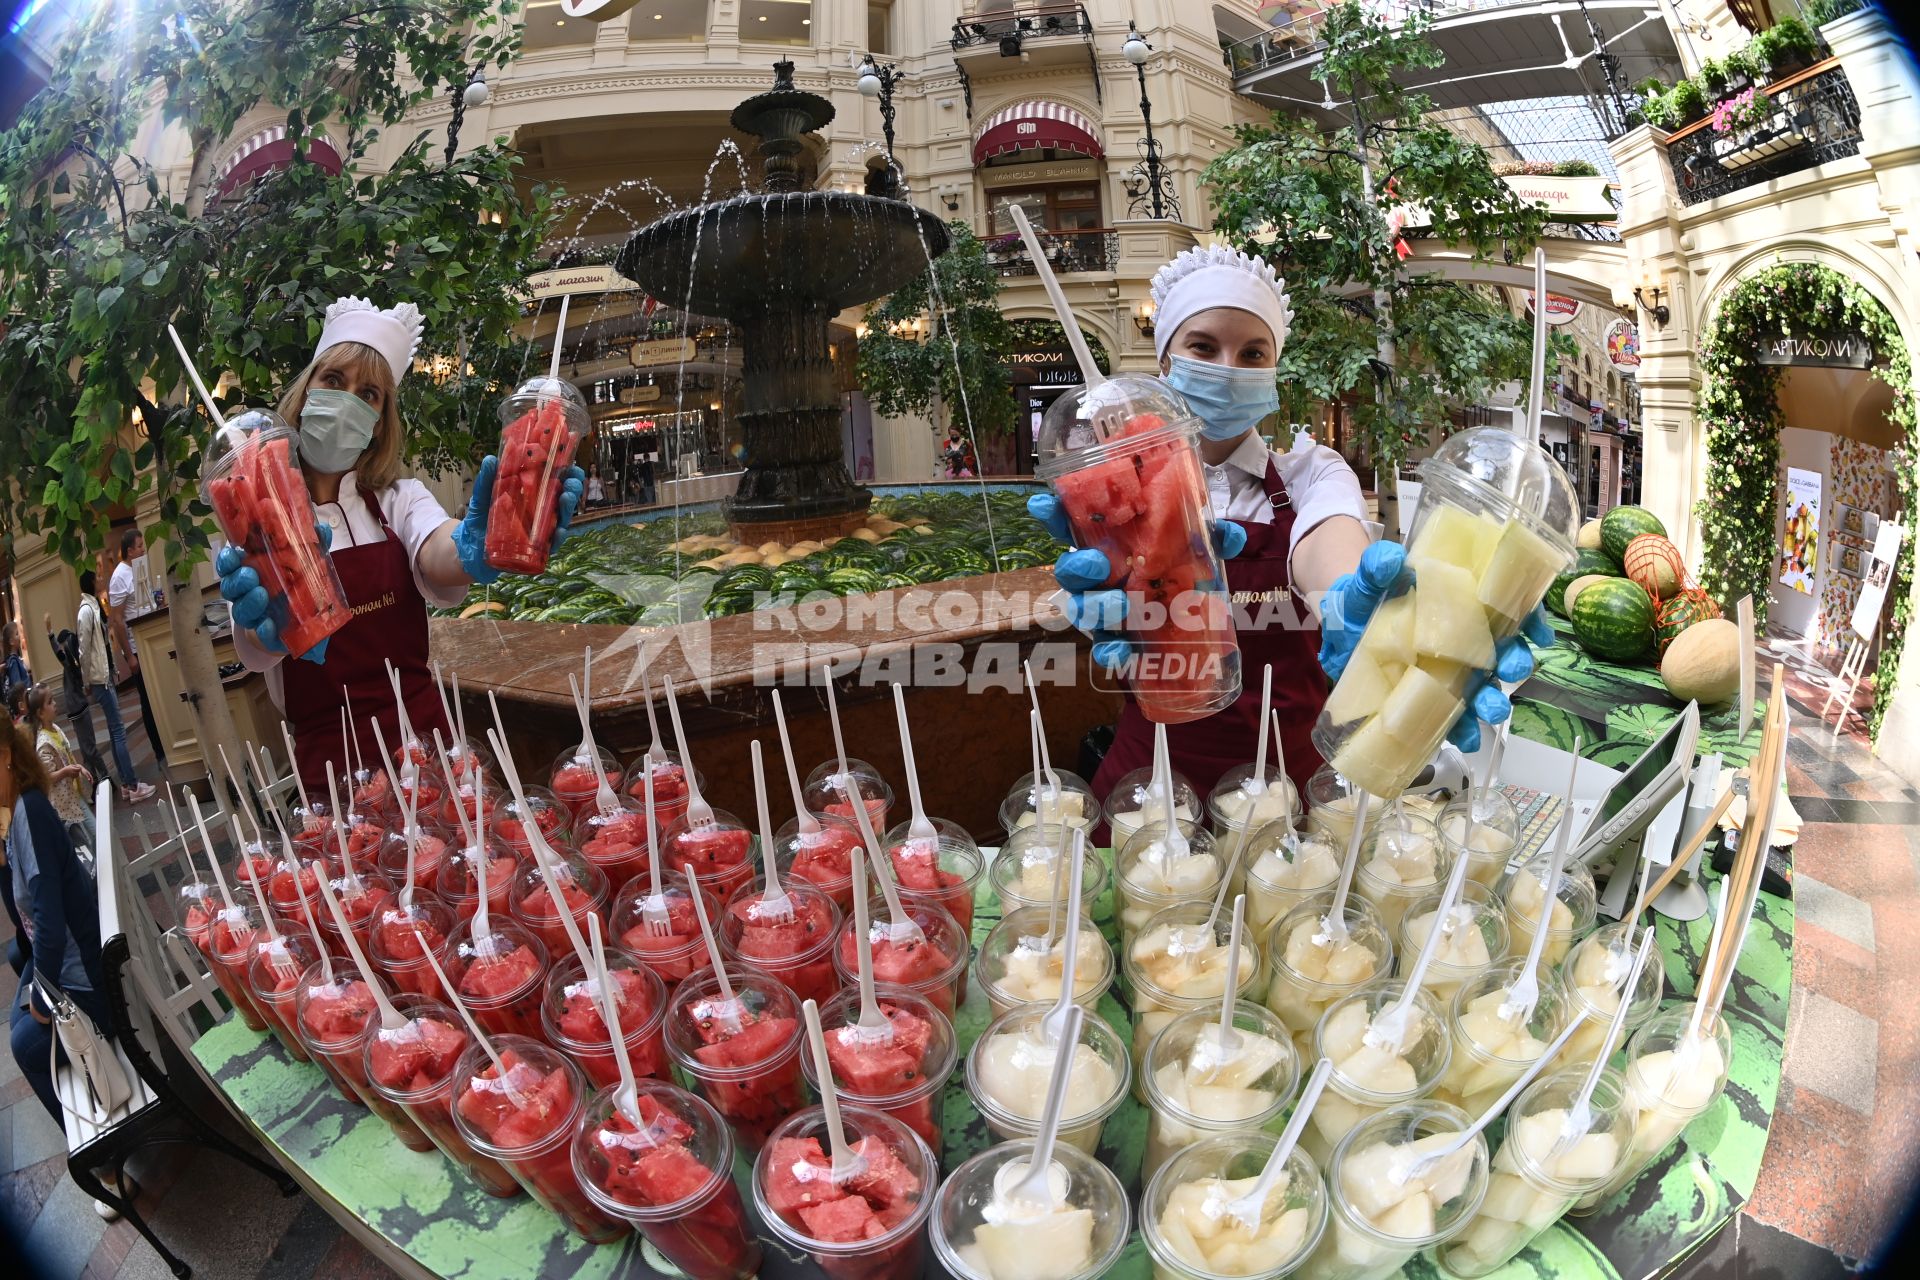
(822, 857)
(1569, 916)
(877, 1228)
(1198, 1086)
(1010, 1065)
(541, 424)
(273, 979)
(361, 899)
(334, 1018)
(195, 903)
(508, 824)
(1150, 875)
(1592, 979)
(1177, 964)
(432, 843)
(615, 841)
(294, 888)
(675, 950)
(527, 1122)
(1490, 842)
(1309, 970)
(902, 1075)
(1080, 1240)
(1074, 806)
(458, 883)
(231, 936)
(370, 791)
(1123, 460)
(1473, 939)
(1668, 1085)
(1133, 803)
(1401, 863)
(366, 836)
(670, 1176)
(412, 1067)
(934, 965)
(742, 1057)
(459, 803)
(1375, 1225)
(1190, 1236)
(584, 888)
(1532, 1184)
(1029, 871)
(499, 975)
(571, 1021)
(1491, 1050)
(1014, 968)
(670, 796)
(575, 781)
(395, 952)
(1238, 801)
(1495, 525)
(1366, 1080)
(1331, 803)
(722, 854)
(1284, 870)
(944, 871)
(252, 480)
(794, 947)
(423, 789)
(826, 791)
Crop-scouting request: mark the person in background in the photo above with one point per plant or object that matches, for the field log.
(73, 695)
(596, 492)
(17, 672)
(120, 588)
(646, 479)
(98, 674)
(70, 786)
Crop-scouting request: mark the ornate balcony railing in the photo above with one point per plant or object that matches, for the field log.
(1096, 249)
(1812, 118)
(1004, 23)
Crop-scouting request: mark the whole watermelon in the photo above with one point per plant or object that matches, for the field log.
(1588, 560)
(1614, 620)
(1622, 525)
(1691, 605)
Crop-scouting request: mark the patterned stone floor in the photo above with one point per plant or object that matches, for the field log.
(1838, 1179)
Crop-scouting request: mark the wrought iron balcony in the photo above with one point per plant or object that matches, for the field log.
(1812, 118)
(1009, 26)
(1096, 249)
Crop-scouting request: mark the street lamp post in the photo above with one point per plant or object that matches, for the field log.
(1149, 184)
(876, 81)
(474, 93)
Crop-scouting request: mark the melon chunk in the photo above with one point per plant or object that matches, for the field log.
(1519, 572)
(1054, 1247)
(1420, 708)
(1363, 687)
(1372, 759)
(1388, 638)
(1459, 537)
(1449, 621)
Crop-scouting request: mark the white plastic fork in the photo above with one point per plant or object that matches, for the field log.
(1334, 924)
(901, 927)
(1579, 1118)
(809, 825)
(1524, 994)
(774, 902)
(873, 1027)
(1389, 1027)
(653, 908)
(1249, 1210)
(1054, 1024)
(699, 812)
(920, 827)
(847, 1163)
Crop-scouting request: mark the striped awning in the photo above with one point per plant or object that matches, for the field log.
(1038, 123)
(266, 151)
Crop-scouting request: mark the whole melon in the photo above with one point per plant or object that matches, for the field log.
(1703, 663)
(1656, 565)
(1683, 610)
(1589, 536)
(1622, 525)
(1589, 560)
(1578, 585)
(1614, 620)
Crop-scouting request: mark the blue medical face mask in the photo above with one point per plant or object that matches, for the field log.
(335, 429)
(1229, 400)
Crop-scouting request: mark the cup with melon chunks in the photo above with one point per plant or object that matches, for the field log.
(822, 857)
(742, 1054)
(1019, 964)
(1188, 1232)
(572, 1021)
(1493, 1046)
(1368, 1078)
(1382, 1213)
(982, 1230)
(1199, 1084)
(1592, 979)
(866, 1225)
(1011, 1064)
(933, 964)
(543, 422)
(1311, 969)
(794, 945)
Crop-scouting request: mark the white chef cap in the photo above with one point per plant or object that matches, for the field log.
(394, 333)
(1201, 279)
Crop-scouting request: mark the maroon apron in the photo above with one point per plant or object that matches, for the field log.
(1259, 578)
(389, 624)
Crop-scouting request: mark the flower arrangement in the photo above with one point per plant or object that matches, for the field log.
(1743, 110)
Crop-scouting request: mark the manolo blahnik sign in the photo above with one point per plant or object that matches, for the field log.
(1849, 350)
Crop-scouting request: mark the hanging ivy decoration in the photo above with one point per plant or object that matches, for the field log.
(1739, 402)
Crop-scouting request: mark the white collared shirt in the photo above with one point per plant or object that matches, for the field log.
(1320, 485)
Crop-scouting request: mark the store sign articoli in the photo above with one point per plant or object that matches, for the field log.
(576, 280)
(1849, 350)
(595, 10)
(659, 351)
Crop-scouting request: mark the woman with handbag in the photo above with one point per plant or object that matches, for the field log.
(70, 786)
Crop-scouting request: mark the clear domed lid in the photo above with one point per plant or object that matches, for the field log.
(530, 395)
(1512, 475)
(1089, 424)
(241, 429)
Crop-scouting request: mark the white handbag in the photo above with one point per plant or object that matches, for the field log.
(89, 1051)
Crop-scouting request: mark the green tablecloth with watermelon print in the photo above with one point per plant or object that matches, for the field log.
(432, 1221)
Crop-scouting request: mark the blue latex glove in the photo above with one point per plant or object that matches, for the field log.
(1091, 605)
(241, 588)
(1350, 602)
(470, 535)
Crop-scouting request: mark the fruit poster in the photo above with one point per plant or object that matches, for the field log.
(1800, 535)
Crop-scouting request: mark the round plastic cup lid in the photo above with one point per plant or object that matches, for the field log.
(1083, 426)
(1512, 473)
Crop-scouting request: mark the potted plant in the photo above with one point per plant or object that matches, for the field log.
(1714, 77)
(1658, 110)
(1689, 101)
(1575, 169)
(1791, 46)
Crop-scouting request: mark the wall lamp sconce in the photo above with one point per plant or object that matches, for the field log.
(1658, 310)
(1143, 319)
(950, 197)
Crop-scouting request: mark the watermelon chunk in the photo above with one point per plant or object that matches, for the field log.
(842, 1221)
(709, 849)
(758, 1039)
(500, 976)
(886, 1182)
(881, 1070)
(798, 1177)
(669, 784)
(917, 866)
(759, 935)
(545, 1100)
(580, 1020)
(539, 901)
(339, 1012)
(826, 857)
(646, 1176)
(617, 839)
(417, 1056)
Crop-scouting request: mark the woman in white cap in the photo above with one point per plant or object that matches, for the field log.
(393, 546)
(1292, 525)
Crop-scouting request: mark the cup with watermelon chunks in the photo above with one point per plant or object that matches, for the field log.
(901, 1073)
(670, 795)
(232, 934)
(944, 871)
(794, 946)
(678, 951)
(458, 883)
(615, 841)
(827, 792)
(575, 780)
(432, 840)
(871, 1225)
(719, 854)
(253, 483)
(526, 1119)
(822, 857)
(555, 820)
(458, 803)
(670, 1175)
(393, 943)
(571, 1019)
(312, 831)
(932, 965)
(195, 903)
(583, 886)
(499, 975)
(273, 978)
(1123, 460)
(412, 1067)
(743, 1055)
(362, 899)
(542, 424)
(372, 792)
(366, 835)
(335, 1016)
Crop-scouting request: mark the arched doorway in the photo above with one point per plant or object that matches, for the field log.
(1041, 367)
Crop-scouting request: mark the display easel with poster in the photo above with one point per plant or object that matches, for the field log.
(1864, 621)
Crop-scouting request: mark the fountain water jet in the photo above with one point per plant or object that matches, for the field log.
(780, 265)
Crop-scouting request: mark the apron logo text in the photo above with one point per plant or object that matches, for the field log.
(384, 602)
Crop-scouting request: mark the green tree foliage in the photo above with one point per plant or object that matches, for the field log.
(902, 374)
(1294, 193)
